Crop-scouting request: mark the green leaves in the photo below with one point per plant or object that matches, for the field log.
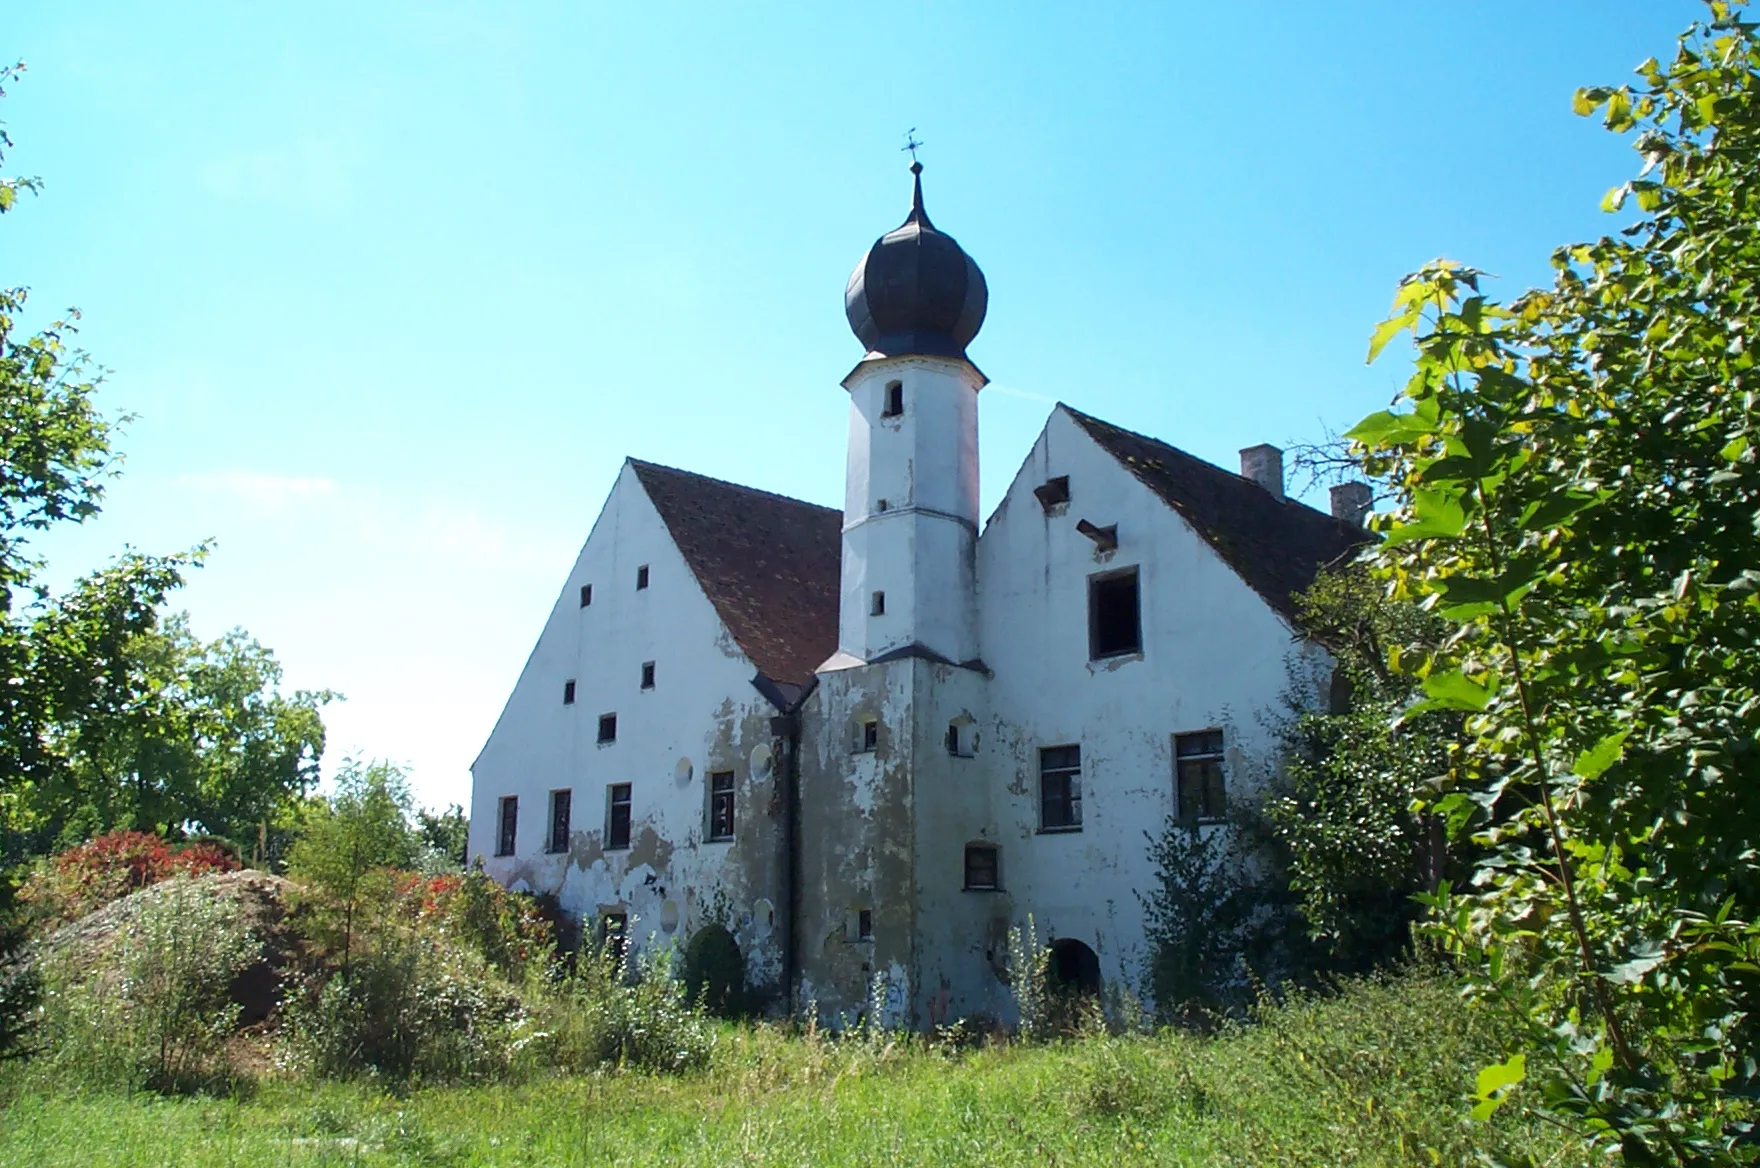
(1495, 1083)
(1594, 762)
(1435, 514)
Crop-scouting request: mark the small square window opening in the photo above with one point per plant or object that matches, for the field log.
(1114, 618)
(507, 828)
(641, 577)
(617, 816)
(586, 595)
(607, 727)
(1060, 788)
(568, 693)
(982, 868)
(865, 924)
(1201, 792)
(867, 736)
(894, 405)
(721, 805)
(1052, 492)
(877, 604)
(561, 803)
(647, 675)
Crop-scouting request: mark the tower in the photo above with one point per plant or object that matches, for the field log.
(910, 525)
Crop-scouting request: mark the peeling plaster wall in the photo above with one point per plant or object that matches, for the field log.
(703, 715)
(1215, 655)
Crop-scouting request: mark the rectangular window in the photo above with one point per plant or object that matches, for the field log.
(1114, 616)
(560, 805)
(981, 868)
(1198, 775)
(617, 816)
(568, 693)
(1052, 492)
(1060, 788)
(865, 924)
(867, 736)
(877, 604)
(953, 739)
(894, 405)
(586, 595)
(507, 829)
(607, 727)
(647, 675)
(721, 805)
(641, 577)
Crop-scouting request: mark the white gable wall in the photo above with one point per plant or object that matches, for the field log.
(702, 715)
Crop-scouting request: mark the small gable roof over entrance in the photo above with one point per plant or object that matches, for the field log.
(1276, 546)
(769, 564)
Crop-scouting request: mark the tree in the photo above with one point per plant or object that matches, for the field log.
(446, 835)
(1577, 485)
(360, 829)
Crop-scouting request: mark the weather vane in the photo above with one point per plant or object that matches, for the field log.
(911, 142)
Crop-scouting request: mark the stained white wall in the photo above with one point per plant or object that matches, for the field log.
(702, 715)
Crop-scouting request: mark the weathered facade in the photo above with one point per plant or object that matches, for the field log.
(867, 742)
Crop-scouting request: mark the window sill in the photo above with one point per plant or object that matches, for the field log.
(983, 888)
(1116, 658)
(606, 742)
(865, 750)
(719, 839)
(502, 855)
(615, 848)
(556, 851)
(1074, 829)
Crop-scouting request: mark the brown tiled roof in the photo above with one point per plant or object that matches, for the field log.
(769, 564)
(1275, 545)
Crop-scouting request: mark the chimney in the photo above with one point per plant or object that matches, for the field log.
(1264, 465)
(1350, 502)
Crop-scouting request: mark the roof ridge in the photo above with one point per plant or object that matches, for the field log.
(642, 464)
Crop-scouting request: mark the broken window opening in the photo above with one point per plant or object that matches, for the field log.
(867, 736)
(865, 924)
(1202, 794)
(983, 867)
(617, 816)
(1052, 492)
(962, 738)
(647, 675)
(877, 604)
(568, 693)
(1060, 788)
(894, 400)
(721, 805)
(607, 728)
(641, 577)
(1115, 625)
(507, 828)
(560, 805)
(586, 595)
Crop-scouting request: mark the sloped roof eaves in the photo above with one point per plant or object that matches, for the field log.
(769, 564)
(1276, 546)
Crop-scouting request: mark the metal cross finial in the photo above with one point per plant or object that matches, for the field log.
(911, 142)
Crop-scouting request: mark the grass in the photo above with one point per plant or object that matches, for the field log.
(1372, 1076)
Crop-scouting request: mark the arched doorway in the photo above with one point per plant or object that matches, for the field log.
(715, 969)
(1075, 968)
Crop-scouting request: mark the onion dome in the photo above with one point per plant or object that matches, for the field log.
(916, 292)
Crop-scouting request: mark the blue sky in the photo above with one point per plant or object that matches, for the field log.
(393, 288)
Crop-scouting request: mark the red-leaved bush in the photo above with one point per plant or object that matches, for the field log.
(85, 878)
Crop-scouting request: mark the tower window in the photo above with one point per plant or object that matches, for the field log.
(647, 675)
(641, 577)
(877, 604)
(867, 736)
(507, 828)
(1198, 775)
(1115, 625)
(617, 816)
(561, 803)
(568, 693)
(607, 727)
(894, 405)
(962, 737)
(721, 805)
(1060, 788)
(586, 595)
(864, 924)
(982, 868)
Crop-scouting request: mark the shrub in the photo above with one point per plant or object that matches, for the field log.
(85, 878)
(154, 1009)
(1029, 981)
(599, 1018)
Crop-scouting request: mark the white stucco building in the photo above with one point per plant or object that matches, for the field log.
(867, 741)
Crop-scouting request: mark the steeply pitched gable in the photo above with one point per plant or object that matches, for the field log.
(1276, 546)
(769, 564)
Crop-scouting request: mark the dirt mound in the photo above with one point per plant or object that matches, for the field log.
(262, 906)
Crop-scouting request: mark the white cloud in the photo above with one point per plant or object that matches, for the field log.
(309, 173)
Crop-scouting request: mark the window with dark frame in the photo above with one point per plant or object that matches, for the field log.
(867, 736)
(1198, 776)
(607, 728)
(617, 816)
(877, 604)
(865, 924)
(561, 803)
(641, 577)
(568, 693)
(647, 675)
(507, 827)
(586, 595)
(1115, 625)
(721, 805)
(1060, 788)
(982, 869)
(894, 400)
